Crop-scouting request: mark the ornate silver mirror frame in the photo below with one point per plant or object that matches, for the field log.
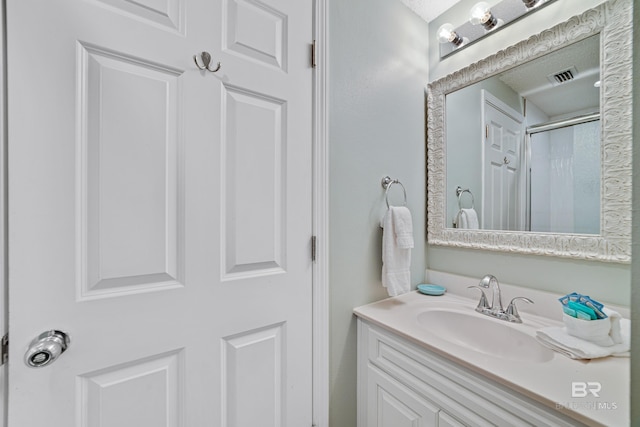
(613, 20)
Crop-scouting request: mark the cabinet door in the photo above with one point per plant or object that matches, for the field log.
(446, 420)
(391, 404)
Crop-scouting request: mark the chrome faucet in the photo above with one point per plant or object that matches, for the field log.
(510, 314)
(490, 282)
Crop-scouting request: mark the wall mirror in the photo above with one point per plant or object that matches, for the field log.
(529, 150)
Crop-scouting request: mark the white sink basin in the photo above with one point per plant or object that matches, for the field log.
(484, 334)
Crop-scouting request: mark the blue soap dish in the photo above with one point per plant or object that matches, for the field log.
(433, 290)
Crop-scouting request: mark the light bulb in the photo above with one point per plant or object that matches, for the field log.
(481, 14)
(478, 12)
(529, 4)
(446, 34)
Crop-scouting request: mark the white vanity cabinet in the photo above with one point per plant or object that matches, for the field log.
(403, 384)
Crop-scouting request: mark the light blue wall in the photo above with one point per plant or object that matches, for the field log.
(608, 282)
(377, 81)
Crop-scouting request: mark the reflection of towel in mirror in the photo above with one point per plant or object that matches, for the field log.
(397, 241)
(468, 218)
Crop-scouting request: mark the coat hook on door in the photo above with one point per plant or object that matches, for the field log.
(205, 57)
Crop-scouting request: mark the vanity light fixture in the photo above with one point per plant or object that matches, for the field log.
(446, 34)
(492, 18)
(481, 14)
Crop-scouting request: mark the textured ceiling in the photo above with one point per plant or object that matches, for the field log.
(429, 9)
(530, 79)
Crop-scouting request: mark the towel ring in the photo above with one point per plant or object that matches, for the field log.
(460, 192)
(387, 182)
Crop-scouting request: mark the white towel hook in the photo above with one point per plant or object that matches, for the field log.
(205, 57)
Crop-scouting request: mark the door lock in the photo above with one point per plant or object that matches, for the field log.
(46, 348)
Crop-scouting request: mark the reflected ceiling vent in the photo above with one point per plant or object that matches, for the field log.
(563, 76)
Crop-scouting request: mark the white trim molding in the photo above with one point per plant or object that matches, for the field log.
(4, 290)
(613, 21)
(321, 217)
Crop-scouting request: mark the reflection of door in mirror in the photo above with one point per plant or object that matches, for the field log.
(501, 207)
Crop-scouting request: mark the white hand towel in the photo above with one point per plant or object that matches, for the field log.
(557, 338)
(402, 226)
(468, 218)
(603, 332)
(396, 260)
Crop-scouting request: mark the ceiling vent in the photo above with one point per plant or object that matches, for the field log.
(563, 76)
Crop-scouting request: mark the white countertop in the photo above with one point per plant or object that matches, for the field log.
(548, 382)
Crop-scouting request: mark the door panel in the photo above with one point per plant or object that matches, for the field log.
(254, 180)
(256, 31)
(168, 14)
(128, 173)
(160, 214)
(157, 384)
(253, 378)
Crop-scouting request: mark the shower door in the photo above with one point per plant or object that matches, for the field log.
(564, 175)
(159, 214)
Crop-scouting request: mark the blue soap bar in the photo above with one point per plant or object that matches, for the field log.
(583, 309)
(433, 290)
(582, 315)
(585, 305)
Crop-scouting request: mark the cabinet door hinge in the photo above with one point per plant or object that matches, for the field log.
(4, 351)
(313, 248)
(313, 54)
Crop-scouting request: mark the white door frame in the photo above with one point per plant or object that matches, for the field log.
(320, 215)
(4, 289)
(320, 210)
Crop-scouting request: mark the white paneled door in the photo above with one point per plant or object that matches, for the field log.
(503, 130)
(160, 214)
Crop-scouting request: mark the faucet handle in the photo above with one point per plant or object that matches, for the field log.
(512, 310)
(483, 304)
(485, 282)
